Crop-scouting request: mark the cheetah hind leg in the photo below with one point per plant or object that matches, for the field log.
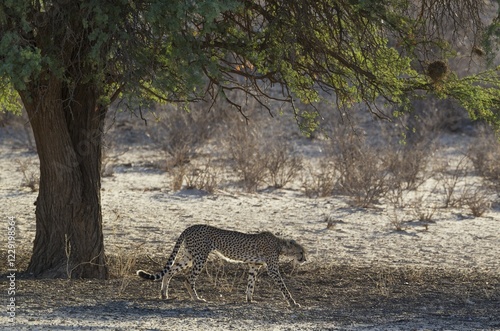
(179, 266)
(198, 263)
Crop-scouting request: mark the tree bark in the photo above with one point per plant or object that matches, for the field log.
(67, 126)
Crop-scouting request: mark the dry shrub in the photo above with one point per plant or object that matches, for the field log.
(477, 200)
(476, 197)
(281, 164)
(248, 156)
(203, 178)
(321, 181)
(362, 174)
(449, 177)
(407, 165)
(395, 221)
(422, 212)
(180, 131)
(259, 158)
(484, 155)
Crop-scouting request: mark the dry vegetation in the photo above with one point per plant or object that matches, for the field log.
(400, 170)
(336, 297)
(369, 163)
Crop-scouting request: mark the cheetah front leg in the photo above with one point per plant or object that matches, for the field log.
(252, 274)
(274, 273)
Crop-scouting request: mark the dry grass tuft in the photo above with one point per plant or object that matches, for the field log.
(178, 174)
(122, 265)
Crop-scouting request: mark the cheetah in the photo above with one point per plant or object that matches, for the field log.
(257, 250)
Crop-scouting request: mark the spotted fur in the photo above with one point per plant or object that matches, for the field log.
(257, 250)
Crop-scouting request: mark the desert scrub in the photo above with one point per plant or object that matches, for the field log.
(320, 180)
(248, 159)
(281, 163)
(362, 174)
(485, 155)
(204, 178)
(181, 130)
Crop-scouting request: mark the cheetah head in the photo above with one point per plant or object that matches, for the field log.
(293, 249)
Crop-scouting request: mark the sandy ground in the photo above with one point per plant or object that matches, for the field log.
(362, 274)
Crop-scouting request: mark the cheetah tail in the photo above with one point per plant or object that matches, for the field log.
(168, 265)
(145, 275)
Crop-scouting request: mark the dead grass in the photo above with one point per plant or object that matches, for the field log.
(178, 173)
(340, 293)
(122, 265)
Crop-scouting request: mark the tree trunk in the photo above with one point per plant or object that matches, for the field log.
(67, 127)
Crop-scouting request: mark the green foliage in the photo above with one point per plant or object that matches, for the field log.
(9, 99)
(162, 51)
(20, 64)
(479, 94)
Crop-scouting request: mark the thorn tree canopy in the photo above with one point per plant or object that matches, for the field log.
(69, 59)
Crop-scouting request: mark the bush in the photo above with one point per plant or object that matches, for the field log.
(320, 183)
(281, 164)
(362, 174)
(248, 157)
(181, 132)
(477, 199)
(31, 177)
(450, 178)
(407, 165)
(204, 178)
(485, 156)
